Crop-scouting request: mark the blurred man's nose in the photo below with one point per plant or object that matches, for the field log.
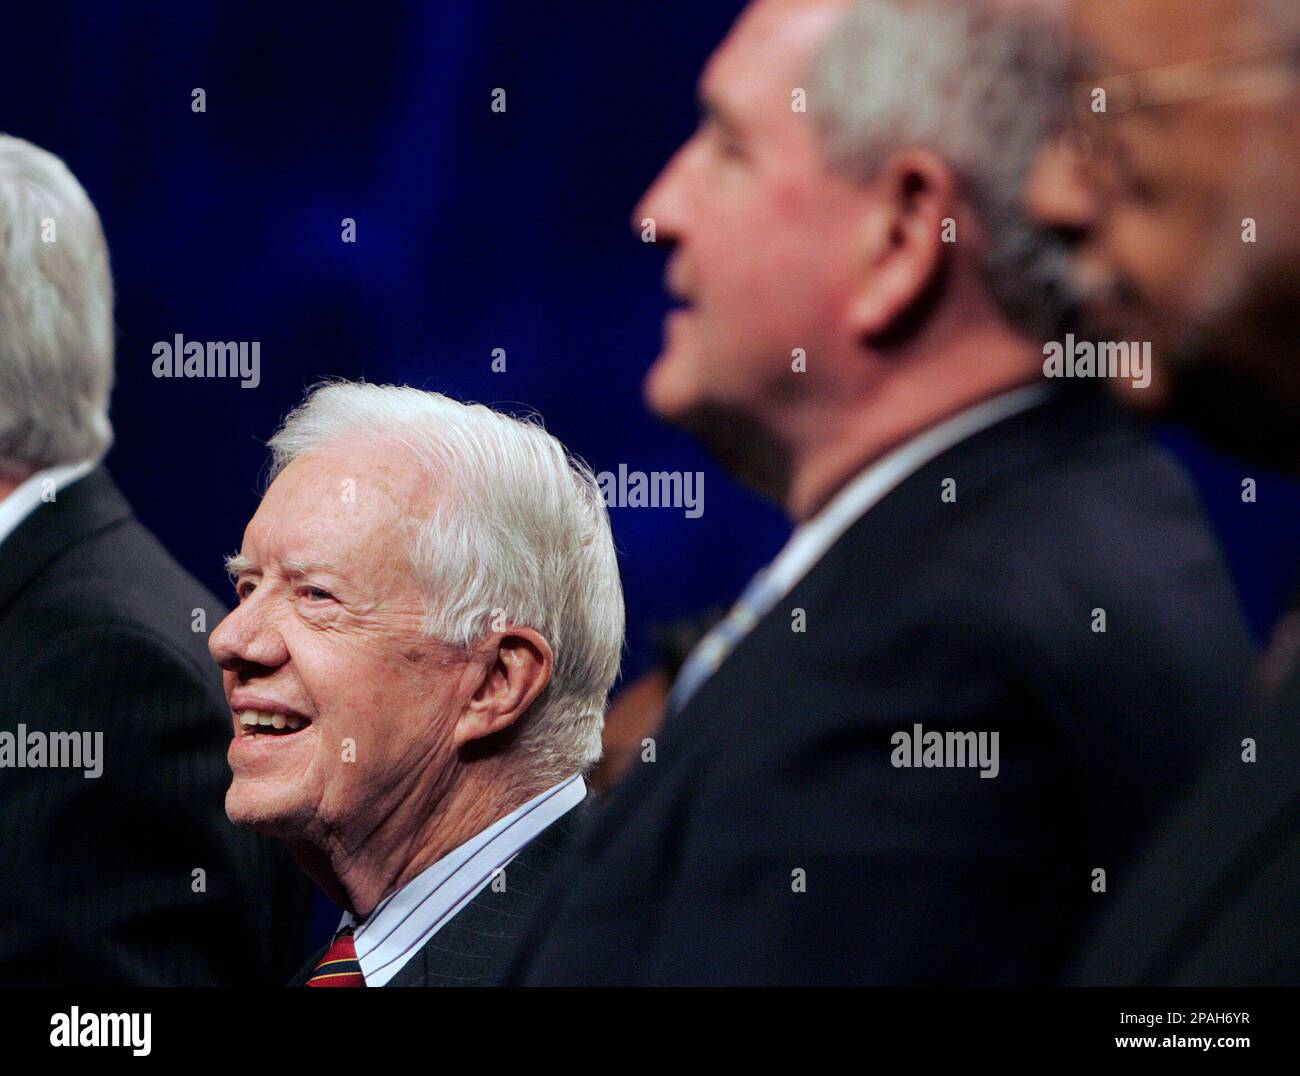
(657, 217)
(247, 638)
(1061, 194)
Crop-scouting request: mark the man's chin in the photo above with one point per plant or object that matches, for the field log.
(270, 813)
(668, 392)
(737, 439)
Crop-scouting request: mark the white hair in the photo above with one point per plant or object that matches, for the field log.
(982, 84)
(56, 315)
(518, 534)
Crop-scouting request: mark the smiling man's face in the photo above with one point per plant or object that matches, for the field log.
(327, 635)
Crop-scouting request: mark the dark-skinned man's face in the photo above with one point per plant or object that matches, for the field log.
(1187, 207)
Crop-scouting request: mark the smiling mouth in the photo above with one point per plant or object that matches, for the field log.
(266, 723)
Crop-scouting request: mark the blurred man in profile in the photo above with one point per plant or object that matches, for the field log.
(1000, 636)
(1178, 182)
(429, 621)
(119, 866)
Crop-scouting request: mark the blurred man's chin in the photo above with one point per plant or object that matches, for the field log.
(675, 392)
(669, 389)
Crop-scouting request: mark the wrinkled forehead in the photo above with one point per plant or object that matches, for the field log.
(340, 504)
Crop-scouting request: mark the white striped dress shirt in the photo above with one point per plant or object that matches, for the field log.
(404, 921)
(31, 494)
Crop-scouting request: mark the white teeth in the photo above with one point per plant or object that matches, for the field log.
(251, 720)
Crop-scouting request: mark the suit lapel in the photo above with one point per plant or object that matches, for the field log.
(882, 542)
(474, 947)
(304, 973)
(1181, 893)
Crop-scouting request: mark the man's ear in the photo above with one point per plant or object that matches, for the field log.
(906, 239)
(514, 667)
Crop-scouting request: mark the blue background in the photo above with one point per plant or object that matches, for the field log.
(475, 231)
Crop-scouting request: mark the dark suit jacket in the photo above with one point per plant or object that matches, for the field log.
(1215, 901)
(98, 885)
(474, 948)
(772, 841)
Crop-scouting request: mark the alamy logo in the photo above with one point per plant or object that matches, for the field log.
(919, 749)
(76, 1028)
(1106, 358)
(658, 489)
(36, 750)
(212, 358)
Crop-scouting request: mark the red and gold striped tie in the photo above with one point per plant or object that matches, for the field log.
(339, 966)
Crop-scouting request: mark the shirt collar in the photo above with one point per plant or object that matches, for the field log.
(813, 538)
(29, 495)
(405, 920)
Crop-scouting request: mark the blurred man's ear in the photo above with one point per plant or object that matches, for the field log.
(1060, 195)
(511, 668)
(907, 239)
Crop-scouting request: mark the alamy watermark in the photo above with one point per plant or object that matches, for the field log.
(32, 749)
(919, 749)
(77, 1028)
(209, 358)
(656, 489)
(1105, 358)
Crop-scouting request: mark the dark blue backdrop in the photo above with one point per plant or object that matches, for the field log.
(475, 231)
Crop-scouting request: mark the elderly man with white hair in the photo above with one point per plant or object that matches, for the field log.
(429, 621)
(120, 867)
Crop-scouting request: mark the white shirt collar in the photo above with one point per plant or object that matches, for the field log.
(811, 540)
(404, 921)
(41, 487)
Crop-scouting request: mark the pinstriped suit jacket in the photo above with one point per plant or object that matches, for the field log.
(98, 886)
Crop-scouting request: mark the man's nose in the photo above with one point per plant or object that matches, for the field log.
(657, 216)
(1061, 194)
(247, 638)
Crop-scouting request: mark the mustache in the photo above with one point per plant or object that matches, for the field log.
(1094, 295)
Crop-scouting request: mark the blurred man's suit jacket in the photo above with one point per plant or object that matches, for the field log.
(98, 885)
(1215, 901)
(771, 840)
(474, 947)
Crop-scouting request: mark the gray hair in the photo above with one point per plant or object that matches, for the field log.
(980, 84)
(56, 316)
(519, 534)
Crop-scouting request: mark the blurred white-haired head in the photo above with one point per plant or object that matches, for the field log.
(517, 534)
(56, 316)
